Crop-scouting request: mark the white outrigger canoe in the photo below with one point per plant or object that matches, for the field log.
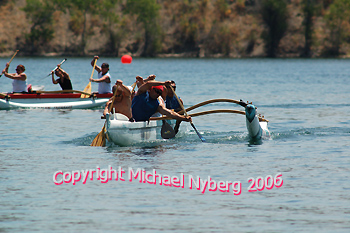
(52, 100)
(122, 132)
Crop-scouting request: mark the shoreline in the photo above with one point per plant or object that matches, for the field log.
(171, 55)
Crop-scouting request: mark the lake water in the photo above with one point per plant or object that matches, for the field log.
(307, 105)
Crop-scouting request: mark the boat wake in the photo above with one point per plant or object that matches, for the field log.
(231, 137)
(306, 132)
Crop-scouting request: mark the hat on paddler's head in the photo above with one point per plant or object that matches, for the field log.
(105, 65)
(158, 87)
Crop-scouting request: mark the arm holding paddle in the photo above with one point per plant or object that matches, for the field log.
(19, 75)
(6, 70)
(55, 68)
(146, 86)
(97, 68)
(140, 81)
(53, 77)
(105, 77)
(58, 66)
(8, 64)
(173, 115)
(55, 71)
(183, 108)
(161, 108)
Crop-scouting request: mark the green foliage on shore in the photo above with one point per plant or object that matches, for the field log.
(274, 14)
(147, 12)
(41, 32)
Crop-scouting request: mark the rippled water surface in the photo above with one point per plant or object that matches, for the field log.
(307, 105)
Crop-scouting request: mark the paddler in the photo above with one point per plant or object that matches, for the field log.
(122, 102)
(19, 83)
(63, 80)
(171, 102)
(146, 103)
(104, 78)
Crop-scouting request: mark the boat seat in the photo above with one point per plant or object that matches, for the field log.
(120, 117)
(38, 88)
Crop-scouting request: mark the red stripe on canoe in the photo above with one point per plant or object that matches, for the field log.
(52, 96)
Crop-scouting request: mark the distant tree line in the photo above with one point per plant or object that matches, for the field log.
(152, 27)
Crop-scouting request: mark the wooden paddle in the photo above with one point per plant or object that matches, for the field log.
(57, 66)
(62, 91)
(133, 87)
(88, 87)
(183, 108)
(10, 61)
(100, 139)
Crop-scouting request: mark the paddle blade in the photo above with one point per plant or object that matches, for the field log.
(100, 139)
(87, 90)
(167, 131)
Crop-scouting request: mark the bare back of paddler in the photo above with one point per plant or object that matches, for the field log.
(122, 102)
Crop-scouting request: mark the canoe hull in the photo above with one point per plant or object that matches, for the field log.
(122, 132)
(52, 101)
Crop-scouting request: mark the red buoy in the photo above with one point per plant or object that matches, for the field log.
(126, 59)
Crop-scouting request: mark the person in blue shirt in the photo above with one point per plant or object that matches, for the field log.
(171, 100)
(146, 103)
